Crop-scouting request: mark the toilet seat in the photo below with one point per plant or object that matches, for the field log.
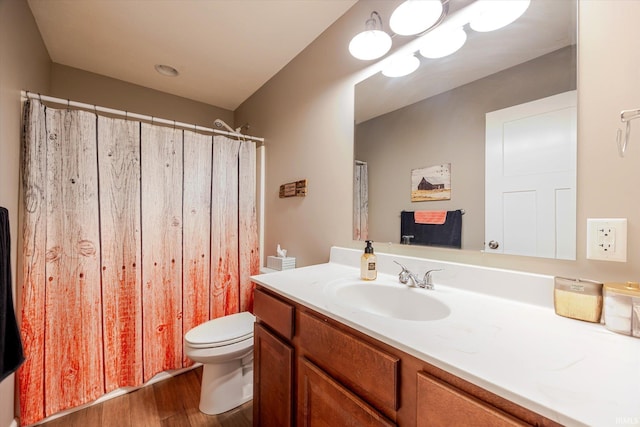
(221, 331)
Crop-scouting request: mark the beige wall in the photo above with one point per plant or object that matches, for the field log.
(24, 64)
(449, 128)
(91, 88)
(306, 114)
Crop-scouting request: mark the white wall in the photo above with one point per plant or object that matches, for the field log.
(24, 64)
(306, 114)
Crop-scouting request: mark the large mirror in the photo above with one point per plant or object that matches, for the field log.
(435, 119)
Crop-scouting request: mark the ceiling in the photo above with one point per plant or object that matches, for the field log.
(225, 50)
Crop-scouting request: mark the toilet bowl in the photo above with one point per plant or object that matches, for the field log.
(224, 346)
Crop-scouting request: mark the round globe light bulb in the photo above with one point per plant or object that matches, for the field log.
(495, 14)
(401, 66)
(370, 44)
(415, 16)
(438, 44)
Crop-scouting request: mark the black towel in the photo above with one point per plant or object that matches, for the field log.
(11, 355)
(447, 235)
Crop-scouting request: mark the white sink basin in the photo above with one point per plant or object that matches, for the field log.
(386, 299)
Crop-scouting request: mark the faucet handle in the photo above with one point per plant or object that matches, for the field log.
(401, 266)
(406, 239)
(403, 276)
(427, 277)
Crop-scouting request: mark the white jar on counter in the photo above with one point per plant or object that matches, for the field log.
(622, 308)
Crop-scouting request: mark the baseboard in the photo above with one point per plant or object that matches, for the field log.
(14, 423)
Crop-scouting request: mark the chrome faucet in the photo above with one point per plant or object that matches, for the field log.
(405, 276)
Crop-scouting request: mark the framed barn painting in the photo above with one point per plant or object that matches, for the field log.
(431, 183)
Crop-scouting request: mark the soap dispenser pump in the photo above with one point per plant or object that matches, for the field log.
(368, 269)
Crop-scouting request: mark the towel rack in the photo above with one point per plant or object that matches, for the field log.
(625, 117)
(462, 211)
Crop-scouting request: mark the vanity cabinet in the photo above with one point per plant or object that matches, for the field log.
(274, 359)
(367, 370)
(273, 379)
(311, 370)
(440, 404)
(323, 401)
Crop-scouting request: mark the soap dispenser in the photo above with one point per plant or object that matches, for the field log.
(368, 270)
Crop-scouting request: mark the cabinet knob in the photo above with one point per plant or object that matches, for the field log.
(493, 244)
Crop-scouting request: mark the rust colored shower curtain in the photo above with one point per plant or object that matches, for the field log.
(133, 234)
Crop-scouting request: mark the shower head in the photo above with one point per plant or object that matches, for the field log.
(221, 124)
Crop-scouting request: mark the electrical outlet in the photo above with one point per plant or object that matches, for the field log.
(607, 239)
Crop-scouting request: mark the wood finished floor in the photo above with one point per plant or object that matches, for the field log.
(169, 403)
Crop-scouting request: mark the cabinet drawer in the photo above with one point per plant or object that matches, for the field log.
(368, 371)
(441, 404)
(324, 402)
(274, 312)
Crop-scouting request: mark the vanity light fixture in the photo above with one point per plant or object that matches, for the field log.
(495, 14)
(373, 42)
(416, 16)
(437, 37)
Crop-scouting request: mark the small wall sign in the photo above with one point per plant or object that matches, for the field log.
(294, 189)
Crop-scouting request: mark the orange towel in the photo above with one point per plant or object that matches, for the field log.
(430, 217)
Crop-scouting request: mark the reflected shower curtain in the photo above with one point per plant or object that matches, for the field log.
(133, 234)
(360, 201)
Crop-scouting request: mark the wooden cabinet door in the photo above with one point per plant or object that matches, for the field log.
(323, 402)
(371, 373)
(441, 404)
(272, 380)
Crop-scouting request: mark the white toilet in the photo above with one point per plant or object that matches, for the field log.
(225, 348)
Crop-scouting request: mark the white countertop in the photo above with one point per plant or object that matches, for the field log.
(573, 372)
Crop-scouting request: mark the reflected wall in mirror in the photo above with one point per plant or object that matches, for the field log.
(437, 115)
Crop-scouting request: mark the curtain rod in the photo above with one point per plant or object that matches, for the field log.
(25, 95)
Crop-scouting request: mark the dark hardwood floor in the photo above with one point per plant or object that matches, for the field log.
(169, 403)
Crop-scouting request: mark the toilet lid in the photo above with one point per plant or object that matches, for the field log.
(222, 330)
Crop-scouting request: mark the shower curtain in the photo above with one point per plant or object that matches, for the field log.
(133, 234)
(360, 201)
